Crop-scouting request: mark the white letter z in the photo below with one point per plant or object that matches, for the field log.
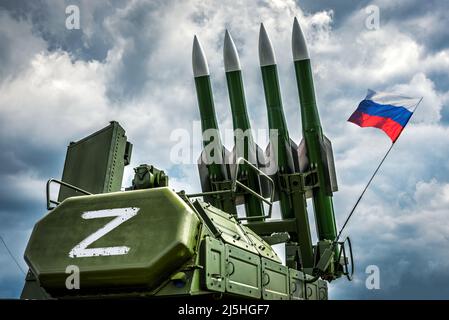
(122, 214)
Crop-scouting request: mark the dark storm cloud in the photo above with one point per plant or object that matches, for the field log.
(9, 286)
(132, 75)
(18, 46)
(25, 169)
(140, 27)
(406, 244)
(341, 9)
(404, 274)
(135, 25)
(20, 9)
(445, 115)
(91, 41)
(21, 156)
(426, 21)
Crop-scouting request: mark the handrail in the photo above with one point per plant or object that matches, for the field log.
(235, 182)
(65, 184)
(207, 193)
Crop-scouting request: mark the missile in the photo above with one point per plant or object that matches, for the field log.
(244, 143)
(212, 168)
(282, 150)
(317, 146)
(282, 153)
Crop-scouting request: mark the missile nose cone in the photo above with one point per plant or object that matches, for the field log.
(266, 52)
(230, 54)
(199, 62)
(299, 46)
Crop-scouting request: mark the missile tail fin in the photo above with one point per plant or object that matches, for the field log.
(227, 160)
(303, 160)
(270, 168)
(330, 176)
(329, 159)
(203, 172)
(263, 164)
(294, 151)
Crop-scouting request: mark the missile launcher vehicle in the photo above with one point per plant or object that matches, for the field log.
(98, 240)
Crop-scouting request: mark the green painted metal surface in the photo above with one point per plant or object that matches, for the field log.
(313, 136)
(322, 290)
(160, 238)
(32, 288)
(239, 235)
(216, 170)
(243, 272)
(213, 261)
(206, 103)
(294, 186)
(209, 121)
(96, 163)
(275, 281)
(244, 140)
(276, 121)
(291, 197)
(297, 284)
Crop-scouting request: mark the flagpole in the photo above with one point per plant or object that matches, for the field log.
(416, 107)
(372, 177)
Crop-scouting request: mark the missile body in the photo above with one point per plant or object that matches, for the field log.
(213, 169)
(292, 204)
(281, 149)
(244, 143)
(314, 139)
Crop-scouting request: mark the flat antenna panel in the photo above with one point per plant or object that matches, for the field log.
(96, 163)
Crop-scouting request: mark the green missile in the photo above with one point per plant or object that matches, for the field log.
(245, 146)
(319, 152)
(280, 150)
(212, 167)
(292, 202)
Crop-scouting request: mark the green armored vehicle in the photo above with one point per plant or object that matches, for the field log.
(99, 241)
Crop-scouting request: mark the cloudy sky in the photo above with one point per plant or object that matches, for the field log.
(131, 62)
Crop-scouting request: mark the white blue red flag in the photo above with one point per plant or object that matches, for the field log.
(386, 111)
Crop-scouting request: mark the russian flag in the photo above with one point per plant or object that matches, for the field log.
(386, 111)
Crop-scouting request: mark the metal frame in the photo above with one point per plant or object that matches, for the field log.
(236, 183)
(210, 225)
(207, 193)
(65, 184)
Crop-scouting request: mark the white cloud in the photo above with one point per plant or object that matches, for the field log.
(19, 44)
(421, 86)
(53, 99)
